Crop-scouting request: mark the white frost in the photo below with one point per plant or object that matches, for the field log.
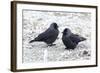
(35, 22)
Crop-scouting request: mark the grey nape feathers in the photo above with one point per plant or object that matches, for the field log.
(71, 40)
(49, 36)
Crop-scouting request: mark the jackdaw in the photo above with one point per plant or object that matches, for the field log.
(71, 40)
(49, 36)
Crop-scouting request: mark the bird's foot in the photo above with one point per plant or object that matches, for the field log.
(51, 44)
(69, 49)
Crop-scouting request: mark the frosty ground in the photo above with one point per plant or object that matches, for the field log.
(35, 22)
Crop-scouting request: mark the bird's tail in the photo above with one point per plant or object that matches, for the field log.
(31, 41)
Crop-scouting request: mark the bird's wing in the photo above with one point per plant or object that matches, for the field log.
(68, 42)
(76, 38)
(45, 35)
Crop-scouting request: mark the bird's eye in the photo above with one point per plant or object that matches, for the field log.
(55, 26)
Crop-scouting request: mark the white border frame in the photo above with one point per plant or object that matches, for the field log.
(53, 64)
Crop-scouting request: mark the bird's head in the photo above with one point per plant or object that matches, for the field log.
(66, 31)
(54, 25)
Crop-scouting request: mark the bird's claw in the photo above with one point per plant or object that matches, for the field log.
(51, 44)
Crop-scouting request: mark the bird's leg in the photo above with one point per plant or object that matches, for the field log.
(68, 49)
(51, 44)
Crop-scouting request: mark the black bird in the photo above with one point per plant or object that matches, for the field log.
(49, 36)
(71, 40)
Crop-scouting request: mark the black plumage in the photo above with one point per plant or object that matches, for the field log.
(71, 40)
(49, 36)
